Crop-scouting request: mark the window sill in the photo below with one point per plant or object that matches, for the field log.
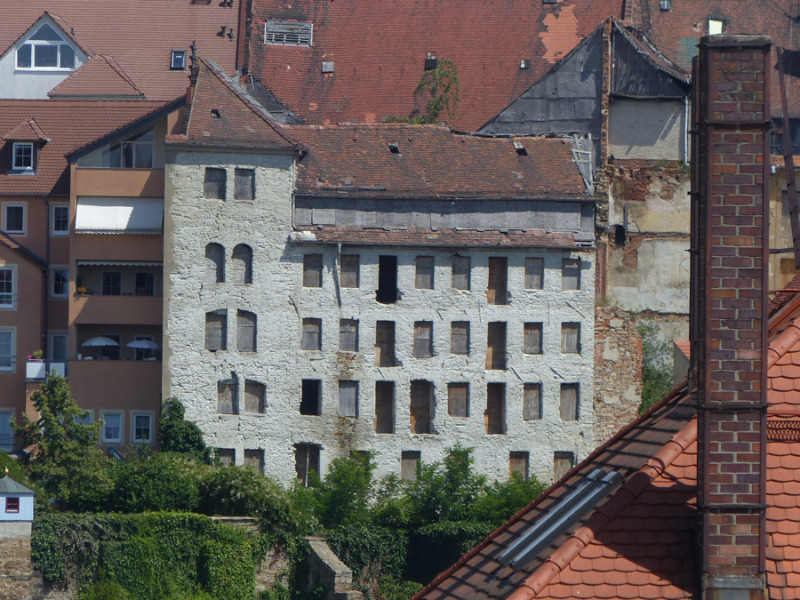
(28, 172)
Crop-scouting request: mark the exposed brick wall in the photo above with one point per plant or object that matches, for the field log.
(618, 371)
(729, 307)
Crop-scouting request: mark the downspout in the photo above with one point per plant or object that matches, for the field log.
(46, 295)
(685, 153)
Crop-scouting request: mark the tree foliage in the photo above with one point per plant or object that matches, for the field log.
(176, 434)
(440, 91)
(656, 367)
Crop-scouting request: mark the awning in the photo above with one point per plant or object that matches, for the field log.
(119, 215)
(117, 263)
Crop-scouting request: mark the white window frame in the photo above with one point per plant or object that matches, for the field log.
(142, 413)
(107, 440)
(51, 345)
(6, 415)
(12, 305)
(24, 206)
(177, 60)
(53, 230)
(17, 167)
(288, 33)
(64, 271)
(45, 43)
(10, 368)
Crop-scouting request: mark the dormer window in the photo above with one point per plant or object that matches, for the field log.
(136, 152)
(178, 61)
(288, 33)
(22, 156)
(716, 26)
(46, 50)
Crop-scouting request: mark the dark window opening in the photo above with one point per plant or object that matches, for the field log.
(387, 280)
(497, 292)
(384, 407)
(495, 415)
(384, 344)
(311, 400)
(496, 346)
(421, 406)
(306, 460)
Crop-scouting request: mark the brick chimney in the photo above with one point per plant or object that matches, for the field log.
(729, 309)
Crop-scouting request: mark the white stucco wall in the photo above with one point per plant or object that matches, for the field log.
(25, 508)
(653, 130)
(281, 302)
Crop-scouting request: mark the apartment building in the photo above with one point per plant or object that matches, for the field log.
(391, 288)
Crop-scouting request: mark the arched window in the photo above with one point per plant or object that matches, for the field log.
(242, 264)
(215, 263)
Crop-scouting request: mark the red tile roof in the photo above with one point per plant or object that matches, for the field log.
(69, 125)
(640, 542)
(27, 131)
(138, 35)
(379, 50)
(99, 77)
(432, 162)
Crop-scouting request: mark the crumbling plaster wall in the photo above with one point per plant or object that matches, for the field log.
(281, 302)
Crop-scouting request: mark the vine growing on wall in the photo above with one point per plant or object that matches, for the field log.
(439, 90)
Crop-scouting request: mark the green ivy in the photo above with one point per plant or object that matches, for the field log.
(433, 548)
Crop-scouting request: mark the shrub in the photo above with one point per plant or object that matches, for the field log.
(176, 434)
(345, 493)
(434, 547)
(159, 482)
(243, 491)
(105, 590)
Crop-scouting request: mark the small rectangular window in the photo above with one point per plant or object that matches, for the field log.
(562, 463)
(14, 218)
(384, 344)
(495, 415)
(715, 26)
(424, 275)
(254, 396)
(409, 464)
(349, 270)
(570, 338)
(227, 397)
(458, 399)
(226, 456)
(59, 220)
(245, 184)
(518, 463)
(421, 407)
(59, 283)
(246, 332)
(306, 460)
(145, 284)
(112, 283)
(534, 273)
(311, 400)
(532, 338)
(214, 185)
(459, 337)
(348, 398)
(570, 273)
(461, 273)
(177, 60)
(142, 428)
(22, 156)
(312, 270)
(384, 407)
(288, 33)
(348, 335)
(12, 505)
(254, 457)
(532, 402)
(58, 347)
(216, 331)
(497, 291)
(569, 402)
(7, 287)
(312, 335)
(112, 427)
(423, 339)
(496, 346)
(387, 280)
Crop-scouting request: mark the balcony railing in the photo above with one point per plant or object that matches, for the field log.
(38, 369)
(117, 310)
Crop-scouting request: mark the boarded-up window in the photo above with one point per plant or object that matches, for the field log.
(409, 464)
(384, 407)
(423, 339)
(242, 264)
(570, 273)
(458, 399)
(562, 463)
(312, 270)
(461, 270)
(254, 396)
(459, 337)
(245, 188)
(569, 402)
(306, 461)
(312, 334)
(421, 406)
(532, 338)
(245, 331)
(216, 330)
(227, 393)
(348, 398)
(226, 456)
(518, 463)
(496, 346)
(387, 280)
(570, 338)
(348, 335)
(497, 291)
(311, 399)
(214, 184)
(384, 344)
(349, 266)
(534, 273)
(215, 263)
(255, 458)
(532, 402)
(424, 276)
(495, 415)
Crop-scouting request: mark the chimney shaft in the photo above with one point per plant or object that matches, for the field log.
(729, 308)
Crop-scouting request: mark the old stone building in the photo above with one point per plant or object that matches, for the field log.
(392, 288)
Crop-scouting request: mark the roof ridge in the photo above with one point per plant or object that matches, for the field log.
(785, 340)
(112, 62)
(633, 487)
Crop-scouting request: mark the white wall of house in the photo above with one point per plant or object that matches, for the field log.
(280, 301)
(25, 512)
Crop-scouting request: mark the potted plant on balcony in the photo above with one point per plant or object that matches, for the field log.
(79, 287)
(35, 368)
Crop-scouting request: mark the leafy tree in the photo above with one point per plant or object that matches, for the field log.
(344, 495)
(176, 434)
(504, 498)
(656, 367)
(64, 456)
(243, 491)
(161, 482)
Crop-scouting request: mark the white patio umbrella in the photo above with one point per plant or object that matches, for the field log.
(143, 344)
(99, 342)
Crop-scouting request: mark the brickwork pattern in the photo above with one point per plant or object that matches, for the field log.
(732, 212)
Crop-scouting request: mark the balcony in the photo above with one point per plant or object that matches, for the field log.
(37, 369)
(117, 310)
(116, 384)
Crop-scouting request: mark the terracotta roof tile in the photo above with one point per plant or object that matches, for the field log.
(27, 131)
(99, 77)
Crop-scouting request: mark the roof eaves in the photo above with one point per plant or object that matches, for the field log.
(671, 69)
(60, 22)
(10, 242)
